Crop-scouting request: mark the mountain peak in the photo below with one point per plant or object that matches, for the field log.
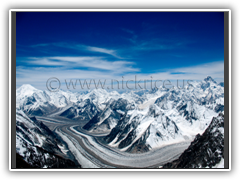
(99, 90)
(221, 84)
(26, 89)
(27, 86)
(209, 79)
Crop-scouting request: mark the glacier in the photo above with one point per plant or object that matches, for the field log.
(128, 123)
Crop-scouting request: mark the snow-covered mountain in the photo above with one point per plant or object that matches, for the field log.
(39, 146)
(153, 118)
(37, 102)
(84, 110)
(169, 116)
(109, 116)
(206, 151)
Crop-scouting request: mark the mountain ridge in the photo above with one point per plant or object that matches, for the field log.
(206, 150)
(171, 115)
(39, 146)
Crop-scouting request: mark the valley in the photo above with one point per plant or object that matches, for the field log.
(102, 155)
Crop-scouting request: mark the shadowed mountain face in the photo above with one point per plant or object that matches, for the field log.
(109, 117)
(206, 150)
(84, 110)
(38, 146)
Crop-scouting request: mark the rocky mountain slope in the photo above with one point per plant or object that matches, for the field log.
(39, 146)
(206, 151)
(108, 118)
(169, 116)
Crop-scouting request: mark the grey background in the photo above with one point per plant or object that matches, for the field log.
(13, 91)
(226, 90)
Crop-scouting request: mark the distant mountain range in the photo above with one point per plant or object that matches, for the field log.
(136, 121)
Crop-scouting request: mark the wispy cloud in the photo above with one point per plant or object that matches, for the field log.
(83, 61)
(103, 50)
(198, 72)
(128, 30)
(39, 45)
(37, 76)
(133, 36)
(214, 68)
(81, 48)
(161, 44)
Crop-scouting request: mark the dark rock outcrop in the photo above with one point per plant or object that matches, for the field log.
(206, 150)
(111, 114)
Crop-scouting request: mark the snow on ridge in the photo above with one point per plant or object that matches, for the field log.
(191, 120)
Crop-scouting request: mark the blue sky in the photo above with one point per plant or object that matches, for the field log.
(110, 45)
